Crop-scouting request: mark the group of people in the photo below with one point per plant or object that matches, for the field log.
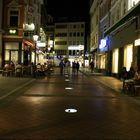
(65, 67)
(131, 74)
(26, 70)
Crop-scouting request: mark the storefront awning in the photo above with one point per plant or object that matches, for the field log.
(133, 12)
(28, 43)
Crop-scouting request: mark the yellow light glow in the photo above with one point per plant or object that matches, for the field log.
(128, 56)
(115, 61)
(51, 42)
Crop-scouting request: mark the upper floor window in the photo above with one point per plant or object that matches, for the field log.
(82, 25)
(124, 8)
(61, 26)
(13, 21)
(74, 26)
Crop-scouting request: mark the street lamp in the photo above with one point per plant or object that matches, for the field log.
(35, 37)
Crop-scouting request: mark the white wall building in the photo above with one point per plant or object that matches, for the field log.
(69, 40)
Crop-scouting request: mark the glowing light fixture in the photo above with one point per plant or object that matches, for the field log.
(67, 80)
(70, 110)
(12, 31)
(35, 37)
(103, 43)
(69, 88)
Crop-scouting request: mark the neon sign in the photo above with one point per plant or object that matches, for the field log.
(103, 43)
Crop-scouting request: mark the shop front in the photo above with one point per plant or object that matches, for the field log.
(17, 51)
(122, 57)
(103, 55)
(128, 56)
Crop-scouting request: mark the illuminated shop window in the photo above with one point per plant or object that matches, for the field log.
(102, 62)
(7, 55)
(115, 61)
(128, 56)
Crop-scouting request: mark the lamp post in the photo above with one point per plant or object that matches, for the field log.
(35, 37)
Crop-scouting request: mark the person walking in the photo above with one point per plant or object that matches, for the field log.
(61, 65)
(73, 67)
(91, 66)
(77, 67)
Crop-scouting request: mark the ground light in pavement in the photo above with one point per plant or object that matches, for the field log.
(67, 80)
(68, 88)
(66, 75)
(70, 110)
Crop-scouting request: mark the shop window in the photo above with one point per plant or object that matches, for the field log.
(115, 61)
(102, 62)
(7, 54)
(128, 56)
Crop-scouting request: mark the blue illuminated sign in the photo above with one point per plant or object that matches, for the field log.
(103, 43)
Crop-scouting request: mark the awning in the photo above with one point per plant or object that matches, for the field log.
(133, 12)
(28, 43)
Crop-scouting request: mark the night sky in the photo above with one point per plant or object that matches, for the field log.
(68, 8)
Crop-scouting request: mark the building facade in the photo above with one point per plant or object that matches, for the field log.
(69, 40)
(1, 31)
(104, 24)
(122, 34)
(118, 35)
(22, 19)
(94, 31)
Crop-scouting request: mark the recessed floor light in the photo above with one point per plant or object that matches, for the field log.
(69, 88)
(67, 80)
(66, 75)
(70, 110)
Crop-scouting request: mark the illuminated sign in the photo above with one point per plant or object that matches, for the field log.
(137, 42)
(41, 44)
(78, 47)
(29, 27)
(103, 43)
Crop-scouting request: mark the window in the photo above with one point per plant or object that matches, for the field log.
(61, 26)
(74, 42)
(82, 34)
(61, 52)
(124, 8)
(128, 56)
(61, 43)
(74, 26)
(70, 34)
(115, 61)
(61, 35)
(14, 18)
(73, 52)
(82, 25)
(78, 34)
(74, 34)
(70, 53)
